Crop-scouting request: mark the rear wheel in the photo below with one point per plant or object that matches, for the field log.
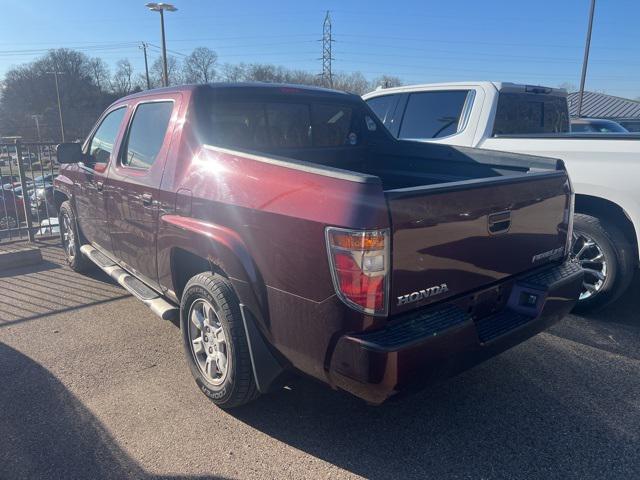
(215, 342)
(606, 256)
(7, 221)
(71, 240)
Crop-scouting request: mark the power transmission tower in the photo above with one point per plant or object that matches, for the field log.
(327, 41)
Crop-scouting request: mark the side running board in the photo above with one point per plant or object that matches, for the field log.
(137, 288)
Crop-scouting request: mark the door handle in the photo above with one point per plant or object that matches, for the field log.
(147, 199)
(499, 222)
(99, 186)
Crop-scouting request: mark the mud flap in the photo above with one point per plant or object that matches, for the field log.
(266, 367)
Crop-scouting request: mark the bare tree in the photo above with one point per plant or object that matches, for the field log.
(386, 81)
(99, 72)
(199, 67)
(568, 86)
(234, 73)
(122, 82)
(354, 82)
(173, 71)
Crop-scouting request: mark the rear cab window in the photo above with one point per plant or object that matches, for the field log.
(294, 125)
(524, 113)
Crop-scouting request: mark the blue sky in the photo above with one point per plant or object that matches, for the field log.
(533, 41)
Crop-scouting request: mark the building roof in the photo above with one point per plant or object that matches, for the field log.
(600, 105)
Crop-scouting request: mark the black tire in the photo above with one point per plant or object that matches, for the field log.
(76, 260)
(618, 255)
(238, 386)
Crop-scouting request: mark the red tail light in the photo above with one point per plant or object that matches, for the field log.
(359, 261)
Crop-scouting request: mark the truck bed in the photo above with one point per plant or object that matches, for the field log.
(460, 218)
(407, 164)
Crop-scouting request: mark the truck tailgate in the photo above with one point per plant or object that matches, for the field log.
(452, 238)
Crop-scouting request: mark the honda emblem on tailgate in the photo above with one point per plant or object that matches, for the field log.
(422, 294)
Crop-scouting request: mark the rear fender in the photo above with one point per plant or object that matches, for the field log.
(225, 251)
(223, 248)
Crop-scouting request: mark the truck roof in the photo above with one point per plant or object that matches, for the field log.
(499, 86)
(255, 87)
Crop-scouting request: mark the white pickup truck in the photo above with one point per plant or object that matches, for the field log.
(604, 168)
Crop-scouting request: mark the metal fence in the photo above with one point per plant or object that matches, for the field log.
(27, 204)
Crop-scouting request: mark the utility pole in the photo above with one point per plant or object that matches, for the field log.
(55, 74)
(37, 119)
(146, 64)
(161, 7)
(327, 58)
(586, 58)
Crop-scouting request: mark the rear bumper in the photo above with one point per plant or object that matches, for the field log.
(441, 341)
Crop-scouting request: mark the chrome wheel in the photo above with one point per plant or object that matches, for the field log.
(591, 257)
(68, 237)
(208, 342)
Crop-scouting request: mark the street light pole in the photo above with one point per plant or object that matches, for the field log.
(36, 118)
(164, 51)
(161, 7)
(55, 74)
(586, 58)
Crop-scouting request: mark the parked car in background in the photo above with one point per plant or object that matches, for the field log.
(596, 125)
(291, 231)
(11, 209)
(632, 125)
(7, 181)
(42, 201)
(604, 168)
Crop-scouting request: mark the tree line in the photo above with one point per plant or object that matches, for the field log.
(87, 86)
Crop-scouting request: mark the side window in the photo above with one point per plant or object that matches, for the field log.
(383, 107)
(432, 114)
(146, 134)
(105, 137)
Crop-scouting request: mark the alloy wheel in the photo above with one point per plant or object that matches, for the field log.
(68, 237)
(8, 221)
(592, 260)
(208, 342)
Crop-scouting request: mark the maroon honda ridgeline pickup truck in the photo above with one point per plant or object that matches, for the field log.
(290, 231)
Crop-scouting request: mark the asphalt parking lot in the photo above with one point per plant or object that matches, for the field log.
(95, 386)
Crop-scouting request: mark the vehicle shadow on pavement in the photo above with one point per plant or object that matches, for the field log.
(553, 407)
(614, 329)
(48, 288)
(55, 436)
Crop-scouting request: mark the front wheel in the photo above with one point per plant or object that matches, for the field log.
(606, 256)
(215, 343)
(71, 240)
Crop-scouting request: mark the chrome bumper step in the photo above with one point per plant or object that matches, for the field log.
(135, 286)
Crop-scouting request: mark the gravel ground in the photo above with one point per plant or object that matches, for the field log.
(94, 386)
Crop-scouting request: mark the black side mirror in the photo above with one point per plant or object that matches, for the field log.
(69, 153)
